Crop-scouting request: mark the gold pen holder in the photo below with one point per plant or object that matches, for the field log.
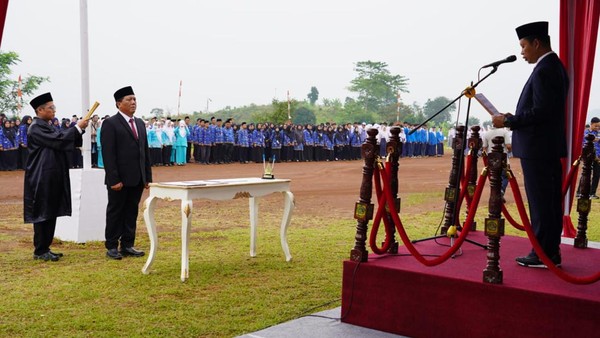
(268, 174)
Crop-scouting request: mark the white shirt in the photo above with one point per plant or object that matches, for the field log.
(490, 134)
(127, 118)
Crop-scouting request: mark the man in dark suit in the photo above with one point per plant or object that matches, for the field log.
(127, 167)
(47, 187)
(539, 138)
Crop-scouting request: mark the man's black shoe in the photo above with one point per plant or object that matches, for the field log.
(113, 254)
(46, 257)
(57, 254)
(533, 261)
(131, 252)
(594, 197)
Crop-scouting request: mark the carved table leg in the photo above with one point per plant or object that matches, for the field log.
(285, 223)
(186, 224)
(253, 201)
(149, 204)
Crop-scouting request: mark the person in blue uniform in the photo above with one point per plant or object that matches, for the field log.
(355, 143)
(206, 142)
(276, 144)
(593, 129)
(47, 186)
(22, 137)
(243, 143)
(100, 161)
(194, 131)
(539, 138)
(258, 144)
(181, 143)
(309, 142)
(288, 144)
(218, 142)
(440, 144)
(228, 140)
(189, 140)
(431, 142)
(155, 144)
(9, 147)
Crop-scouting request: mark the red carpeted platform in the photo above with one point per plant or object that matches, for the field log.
(398, 294)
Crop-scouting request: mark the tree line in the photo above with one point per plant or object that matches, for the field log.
(375, 100)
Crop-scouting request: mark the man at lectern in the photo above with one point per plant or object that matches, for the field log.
(539, 138)
(47, 187)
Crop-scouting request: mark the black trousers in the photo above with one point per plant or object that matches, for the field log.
(43, 234)
(256, 154)
(218, 153)
(244, 154)
(197, 154)
(277, 153)
(166, 154)
(121, 216)
(156, 156)
(227, 152)
(94, 154)
(543, 184)
(188, 152)
(24, 154)
(205, 154)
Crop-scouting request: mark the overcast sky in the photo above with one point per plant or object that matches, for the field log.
(238, 52)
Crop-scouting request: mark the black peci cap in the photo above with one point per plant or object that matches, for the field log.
(539, 29)
(121, 93)
(40, 100)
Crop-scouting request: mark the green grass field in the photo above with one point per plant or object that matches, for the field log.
(228, 292)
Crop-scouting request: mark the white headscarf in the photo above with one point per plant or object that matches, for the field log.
(182, 131)
(168, 130)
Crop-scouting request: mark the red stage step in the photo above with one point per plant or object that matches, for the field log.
(397, 294)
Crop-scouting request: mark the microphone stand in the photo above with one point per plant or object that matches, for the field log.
(469, 92)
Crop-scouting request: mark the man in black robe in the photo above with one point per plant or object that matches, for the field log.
(47, 188)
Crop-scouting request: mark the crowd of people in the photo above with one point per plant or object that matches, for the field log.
(176, 142)
(214, 141)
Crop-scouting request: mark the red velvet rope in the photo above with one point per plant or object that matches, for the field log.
(381, 199)
(463, 187)
(388, 199)
(540, 252)
(567, 180)
(385, 198)
(513, 186)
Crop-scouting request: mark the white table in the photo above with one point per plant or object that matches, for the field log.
(219, 189)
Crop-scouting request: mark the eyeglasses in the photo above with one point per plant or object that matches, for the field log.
(53, 107)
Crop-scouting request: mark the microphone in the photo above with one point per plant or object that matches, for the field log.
(511, 58)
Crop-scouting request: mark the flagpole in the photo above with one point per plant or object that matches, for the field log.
(85, 79)
(88, 218)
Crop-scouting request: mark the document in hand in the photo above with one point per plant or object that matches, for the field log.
(486, 104)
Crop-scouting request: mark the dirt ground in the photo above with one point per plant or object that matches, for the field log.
(318, 187)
